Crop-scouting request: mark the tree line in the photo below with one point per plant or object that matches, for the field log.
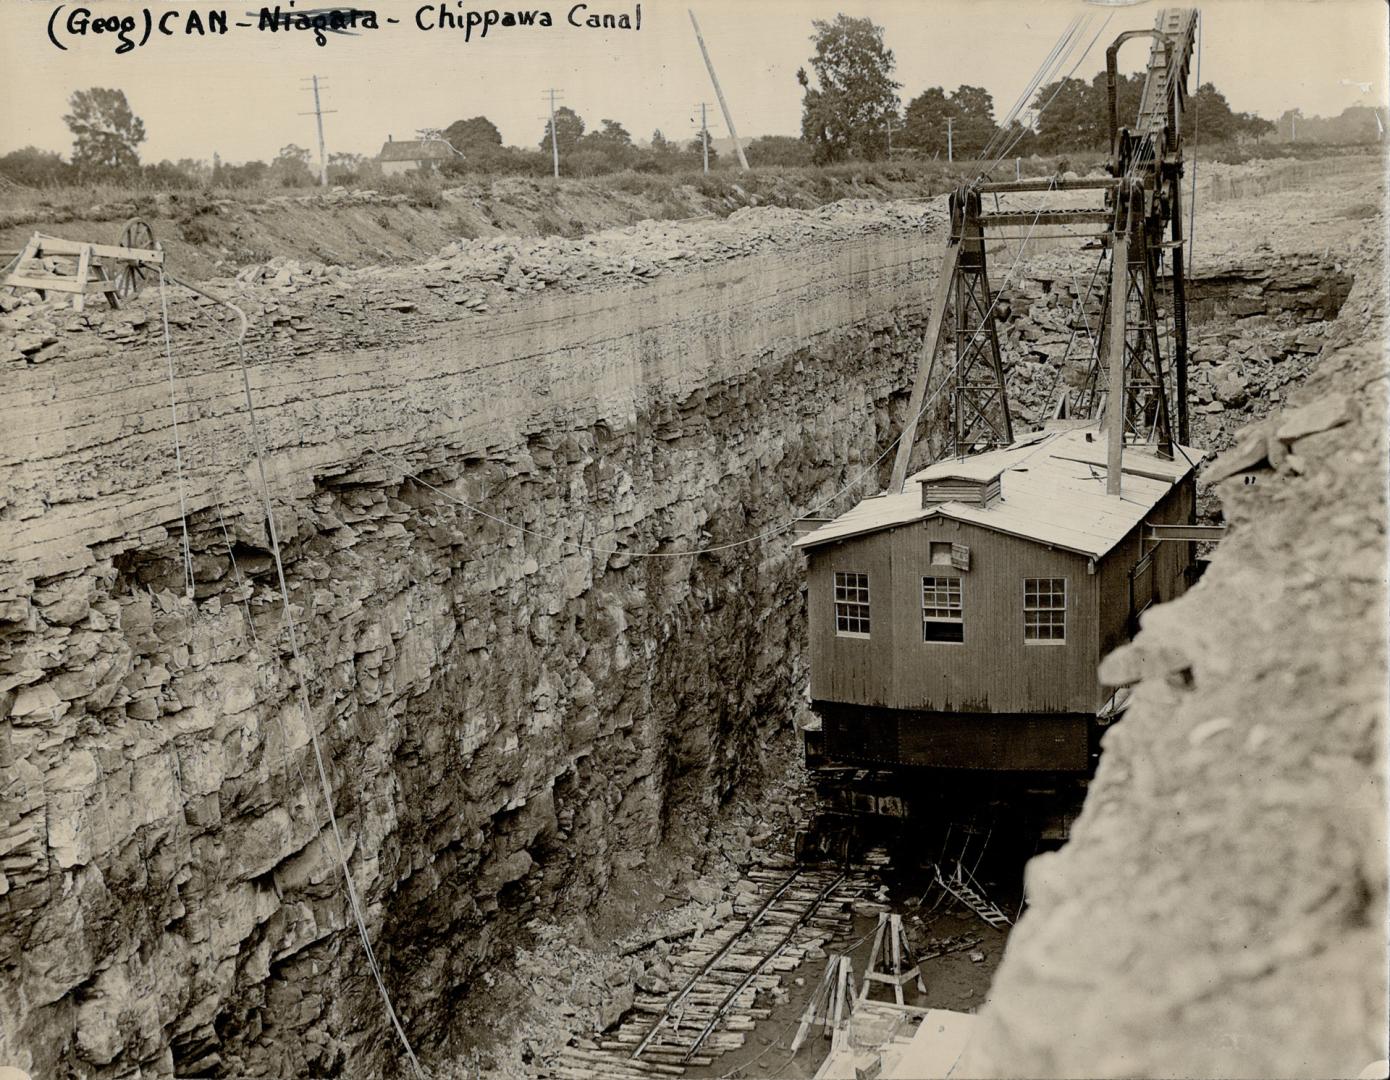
(851, 111)
(850, 108)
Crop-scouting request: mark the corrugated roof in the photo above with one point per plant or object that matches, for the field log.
(1053, 492)
(413, 150)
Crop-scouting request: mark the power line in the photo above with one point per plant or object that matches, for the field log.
(554, 142)
(318, 115)
(704, 132)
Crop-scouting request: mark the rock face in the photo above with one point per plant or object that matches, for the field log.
(1220, 909)
(502, 716)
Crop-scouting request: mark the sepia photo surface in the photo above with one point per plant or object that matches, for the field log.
(781, 539)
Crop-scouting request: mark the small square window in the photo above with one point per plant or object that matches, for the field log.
(851, 603)
(940, 553)
(1045, 610)
(943, 616)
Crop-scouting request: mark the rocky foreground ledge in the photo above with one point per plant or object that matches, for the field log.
(1221, 907)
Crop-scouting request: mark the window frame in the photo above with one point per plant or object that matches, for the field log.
(954, 590)
(851, 611)
(1040, 588)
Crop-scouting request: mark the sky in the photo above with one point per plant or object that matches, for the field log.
(241, 94)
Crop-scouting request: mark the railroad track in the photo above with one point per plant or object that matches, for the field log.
(720, 977)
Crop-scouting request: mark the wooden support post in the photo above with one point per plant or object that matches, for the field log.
(890, 945)
(818, 1008)
(925, 362)
(844, 1005)
(84, 272)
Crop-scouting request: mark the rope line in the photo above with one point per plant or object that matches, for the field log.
(178, 450)
(1043, 108)
(302, 671)
(301, 667)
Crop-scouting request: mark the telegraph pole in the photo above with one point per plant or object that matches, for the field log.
(318, 114)
(950, 146)
(554, 142)
(704, 135)
(718, 93)
(890, 138)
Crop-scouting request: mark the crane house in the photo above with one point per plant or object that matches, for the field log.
(960, 623)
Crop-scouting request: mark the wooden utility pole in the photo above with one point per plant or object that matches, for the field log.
(950, 146)
(704, 134)
(318, 114)
(554, 141)
(718, 93)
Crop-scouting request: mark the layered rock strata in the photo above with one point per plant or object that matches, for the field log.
(507, 717)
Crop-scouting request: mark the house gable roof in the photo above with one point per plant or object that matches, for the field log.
(413, 150)
(1053, 493)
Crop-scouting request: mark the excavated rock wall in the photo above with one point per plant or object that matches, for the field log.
(1220, 909)
(506, 718)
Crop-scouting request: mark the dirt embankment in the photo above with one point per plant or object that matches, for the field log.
(207, 233)
(211, 233)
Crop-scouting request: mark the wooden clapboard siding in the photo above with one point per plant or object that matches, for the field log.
(1170, 563)
(851, 669)
(952, 489)
(993, 669)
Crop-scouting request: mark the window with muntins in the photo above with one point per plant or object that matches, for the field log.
(943, 617)
(1045, 610)
(851, 603)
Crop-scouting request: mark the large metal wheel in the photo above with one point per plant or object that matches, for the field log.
(132, 277)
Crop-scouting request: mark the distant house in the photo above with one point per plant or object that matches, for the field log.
(401, 157)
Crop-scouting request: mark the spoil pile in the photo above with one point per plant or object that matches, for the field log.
(298, 307)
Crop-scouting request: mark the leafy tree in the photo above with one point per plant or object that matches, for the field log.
(569, 129)
(611, 134)
(291, 167)
(778, 150)
(1212, 120)
(1017, 140)
(612, 141)
(106, 134)
(974, 121)
(348, 168)
(661, 145)
(1073, 116)
(34, 167)
(478, 134)
(247, 175)
(696, 147)
(847, 112)
(924, 121)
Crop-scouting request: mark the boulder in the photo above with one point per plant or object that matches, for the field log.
(1326, 413)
